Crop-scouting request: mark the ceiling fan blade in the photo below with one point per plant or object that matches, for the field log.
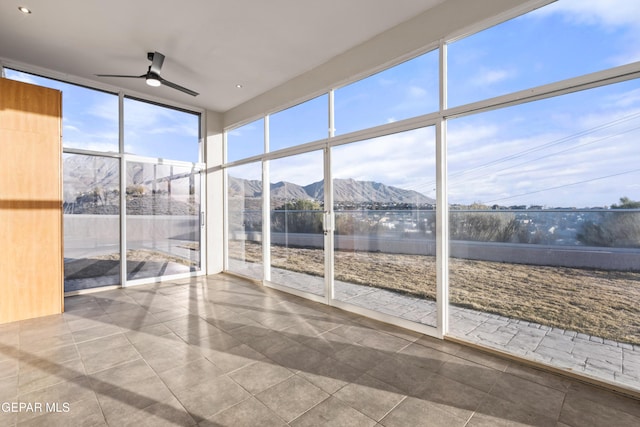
(120, 75)
(157, 59)
(178, 87)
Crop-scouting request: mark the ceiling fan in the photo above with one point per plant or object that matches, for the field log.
(152, 76)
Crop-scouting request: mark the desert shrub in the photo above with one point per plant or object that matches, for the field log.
(299, 216)
(619, 229)
(348, 224)
(483, 227)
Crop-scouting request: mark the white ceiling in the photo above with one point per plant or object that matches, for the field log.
(210, 45)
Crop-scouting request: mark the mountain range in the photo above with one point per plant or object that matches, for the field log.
(85, 173)
(344, 190)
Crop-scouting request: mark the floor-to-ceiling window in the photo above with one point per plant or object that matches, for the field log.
(158, 188)
(545, 228)
(296, 198)
(244, 232)
(366, 208)
(385, 223)
(526, 131)
(544, 224)
(245, 196)
(163, 190)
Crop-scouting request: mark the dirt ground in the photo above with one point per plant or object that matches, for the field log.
(595, 302)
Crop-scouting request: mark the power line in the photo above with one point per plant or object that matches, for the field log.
(567, 149)
(544, 146)
(550, 144)
(562, 186)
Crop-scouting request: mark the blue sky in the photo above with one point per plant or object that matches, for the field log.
(575, 150)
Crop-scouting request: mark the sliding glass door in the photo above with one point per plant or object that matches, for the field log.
(244, 206)
(296, 208)
(163, 219)
(91, 221)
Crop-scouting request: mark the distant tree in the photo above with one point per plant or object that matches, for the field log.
(478, 206)
(301, 205)
(626, 203)
(613, 229)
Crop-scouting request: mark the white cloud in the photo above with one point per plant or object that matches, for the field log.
(105, 110)
(417, 92)
(580, 155)
(404, 160)
(621, 17)
(488, 77)
(625, 99)
(607, 13)
(251, 171)
(93, 146)
(90, 138)
(382, 81)
(20, 76)
(303, 169)
(70, 128)
(248, 128)
(495, 152)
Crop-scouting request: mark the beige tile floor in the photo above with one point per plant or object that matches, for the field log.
(220, 351)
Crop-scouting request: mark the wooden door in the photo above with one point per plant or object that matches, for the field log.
(31, 256)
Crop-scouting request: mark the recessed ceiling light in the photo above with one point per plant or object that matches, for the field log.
(239, 86)
(24, 10)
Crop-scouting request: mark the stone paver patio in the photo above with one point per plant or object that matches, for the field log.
(587, 355)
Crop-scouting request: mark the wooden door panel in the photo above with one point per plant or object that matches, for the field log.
(31, 265)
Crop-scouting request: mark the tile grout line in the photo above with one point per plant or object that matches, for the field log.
(392, 409)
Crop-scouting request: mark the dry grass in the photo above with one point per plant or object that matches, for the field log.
(594, 302)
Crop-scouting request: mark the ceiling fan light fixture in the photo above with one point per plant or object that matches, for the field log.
(152, 76)
(153, 80)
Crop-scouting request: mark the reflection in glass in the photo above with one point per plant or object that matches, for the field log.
(163, 220)
(244, 201)
(384, 202)
(545, 224)
(91, 221)
(297, 238)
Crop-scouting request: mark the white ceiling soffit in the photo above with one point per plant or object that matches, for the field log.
(211, 46)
